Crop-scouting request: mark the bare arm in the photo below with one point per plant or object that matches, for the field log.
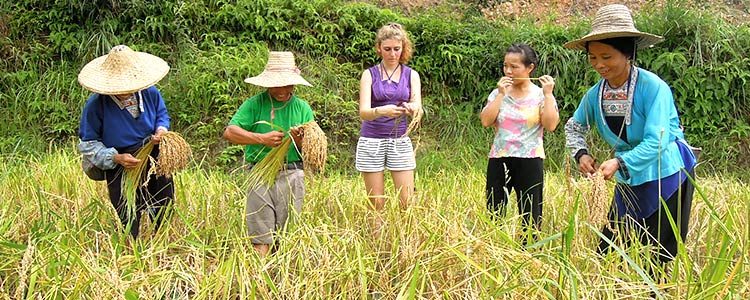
(237, 135)
(490, 111)
(366, 112)
(415, 102)
(549, 115)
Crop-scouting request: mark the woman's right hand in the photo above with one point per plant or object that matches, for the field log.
(587, 165)
(126, 160)
(391, 111)
(503, 85)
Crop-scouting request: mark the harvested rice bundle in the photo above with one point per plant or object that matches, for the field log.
(174, 154)
(415, 122)
(265, 171)
(598, 201)
(314, 147)
(137, 176)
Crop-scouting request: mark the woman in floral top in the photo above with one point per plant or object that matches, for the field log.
(520, 112)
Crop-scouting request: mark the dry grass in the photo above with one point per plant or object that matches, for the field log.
(314, 147)
(416, 121)
(174, 154)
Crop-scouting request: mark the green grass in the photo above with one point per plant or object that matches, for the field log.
(444, 246)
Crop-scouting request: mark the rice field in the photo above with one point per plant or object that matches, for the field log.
(59, 239)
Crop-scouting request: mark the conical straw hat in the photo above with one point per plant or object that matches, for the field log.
(614, 21)
(122, 71)
(280, 71)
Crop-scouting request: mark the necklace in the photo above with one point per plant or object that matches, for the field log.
(274, 109)
(386, 71)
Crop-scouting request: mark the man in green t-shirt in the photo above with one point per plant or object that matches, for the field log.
(267, 208)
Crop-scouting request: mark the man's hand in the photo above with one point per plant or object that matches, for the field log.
(272, 138)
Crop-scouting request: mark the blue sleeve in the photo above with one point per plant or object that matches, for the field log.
(658, 109)
(90, 128)
(162, 117)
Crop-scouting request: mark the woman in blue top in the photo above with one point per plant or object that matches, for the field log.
(124, 112)
(634, 112)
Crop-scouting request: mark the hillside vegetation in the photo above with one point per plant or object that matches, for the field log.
(212, 45)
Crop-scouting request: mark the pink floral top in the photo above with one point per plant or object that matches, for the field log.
(518, 126)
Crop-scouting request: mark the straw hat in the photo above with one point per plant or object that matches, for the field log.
(280, 71)
(614, 21)
(122, 71)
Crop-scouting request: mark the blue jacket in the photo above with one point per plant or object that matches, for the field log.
(102, 120)
(650, 152)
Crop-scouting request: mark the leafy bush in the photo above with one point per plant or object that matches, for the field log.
(213, 45)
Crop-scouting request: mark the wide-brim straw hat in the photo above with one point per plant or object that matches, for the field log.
(280, 71)
(122, 71)
(613, 21)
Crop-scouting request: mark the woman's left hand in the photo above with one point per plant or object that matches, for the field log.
(608, 168)
(156, 138)
(411, 107)
(548, 84)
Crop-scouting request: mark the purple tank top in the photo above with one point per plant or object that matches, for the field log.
(384, 93)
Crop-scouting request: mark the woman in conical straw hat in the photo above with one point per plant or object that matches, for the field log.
(124, 112)
(634, 112)
(268, 208)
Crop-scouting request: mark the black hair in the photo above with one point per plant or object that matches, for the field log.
(528, 55)
(626, 45)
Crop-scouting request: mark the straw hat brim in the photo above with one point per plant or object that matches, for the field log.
(277, 79)
(146, 71)
(643, 40)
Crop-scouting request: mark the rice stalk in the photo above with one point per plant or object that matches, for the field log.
(23, 270)
(416, 121)
(265, 171)
(314, 147)
(174, 154)
(597, 199)
(136, 177)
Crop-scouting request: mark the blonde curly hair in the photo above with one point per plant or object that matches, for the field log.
(397, 32)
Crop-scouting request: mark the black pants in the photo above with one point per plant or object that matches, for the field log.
(656, 230)
(154, 198)
(525, 176)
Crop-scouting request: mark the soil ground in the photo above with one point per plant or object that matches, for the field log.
(562, 12)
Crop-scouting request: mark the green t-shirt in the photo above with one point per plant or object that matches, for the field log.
(286, 115)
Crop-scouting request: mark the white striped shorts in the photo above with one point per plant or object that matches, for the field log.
(375, 155)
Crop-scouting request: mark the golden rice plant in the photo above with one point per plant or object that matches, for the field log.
(265, 171)
(137, 176)
(174, 154)
(598, 201)
(23, 270)
(314, 147)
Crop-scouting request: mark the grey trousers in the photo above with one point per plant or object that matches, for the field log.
(267, 209)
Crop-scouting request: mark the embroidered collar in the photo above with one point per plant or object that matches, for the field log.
(631, 83)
